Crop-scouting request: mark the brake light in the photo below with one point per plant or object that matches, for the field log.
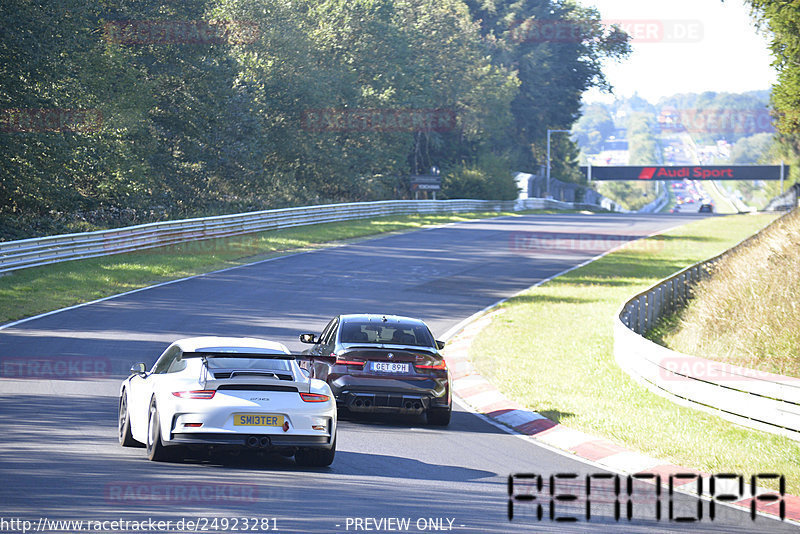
(342, 361)
(442, 365)
(314, 397)
(198, 394)
(349, 362)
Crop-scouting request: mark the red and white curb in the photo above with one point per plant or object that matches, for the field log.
(478, 393)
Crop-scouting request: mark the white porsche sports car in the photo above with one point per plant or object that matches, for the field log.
(228, 392)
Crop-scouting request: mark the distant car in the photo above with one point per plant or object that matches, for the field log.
(228, 393)
(383, 364)
(706, 208)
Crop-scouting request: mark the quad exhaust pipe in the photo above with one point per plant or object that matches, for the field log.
(367, 403)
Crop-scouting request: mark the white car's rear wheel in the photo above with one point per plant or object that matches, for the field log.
(156, 451)
(316, 457)
(124, 424)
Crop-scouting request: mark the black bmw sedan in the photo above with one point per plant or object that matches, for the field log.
(382, 364)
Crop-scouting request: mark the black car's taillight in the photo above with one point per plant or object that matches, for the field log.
(342, 360)
(440, 365)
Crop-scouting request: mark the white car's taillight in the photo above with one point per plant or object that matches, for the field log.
(314, 397)
(197, 394)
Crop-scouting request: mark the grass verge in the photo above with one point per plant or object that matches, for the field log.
(40, 289)
(748, 313)
(552, 351)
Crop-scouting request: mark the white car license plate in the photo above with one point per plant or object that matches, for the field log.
(257, 419)
(390, 367)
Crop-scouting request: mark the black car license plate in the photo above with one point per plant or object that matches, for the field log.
(389, 367)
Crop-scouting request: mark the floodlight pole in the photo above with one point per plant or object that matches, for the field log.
(548, 155)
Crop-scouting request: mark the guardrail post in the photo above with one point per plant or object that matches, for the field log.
(656, 306)
(671, 296)
(687, 282)
(657, 294)
(639, 315)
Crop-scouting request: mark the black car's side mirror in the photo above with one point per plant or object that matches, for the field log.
(308, 338)
(138, 369)
(439, 344)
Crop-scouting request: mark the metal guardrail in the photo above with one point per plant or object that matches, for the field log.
(747, 397)
(34, 252)
(785, 201)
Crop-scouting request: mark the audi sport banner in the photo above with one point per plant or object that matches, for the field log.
(690, 172)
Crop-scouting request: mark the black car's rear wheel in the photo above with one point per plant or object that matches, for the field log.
(439, 416)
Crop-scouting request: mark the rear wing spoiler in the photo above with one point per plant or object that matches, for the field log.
(251, 355)
(256, 383)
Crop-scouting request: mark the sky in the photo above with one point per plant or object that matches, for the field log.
(686, 46)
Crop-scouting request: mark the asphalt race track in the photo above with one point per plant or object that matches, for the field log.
(59, 457)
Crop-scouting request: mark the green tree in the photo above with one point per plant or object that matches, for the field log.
(555, 71)
(781, 19)
(643, 147)
(593, 127)
(208, 126)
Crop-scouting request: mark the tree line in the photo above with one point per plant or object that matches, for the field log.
(115, 112)
(781, 20)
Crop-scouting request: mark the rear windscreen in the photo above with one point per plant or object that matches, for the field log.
(397, 334)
